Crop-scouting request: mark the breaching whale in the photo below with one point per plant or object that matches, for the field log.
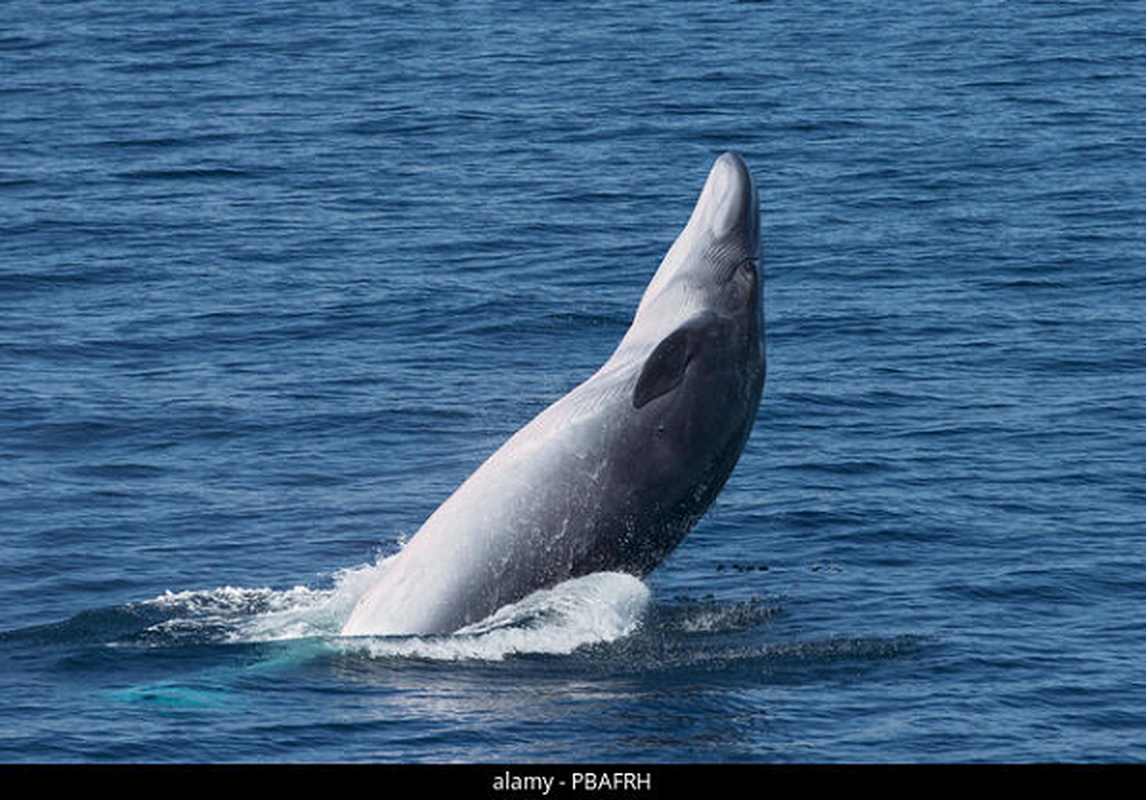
(614, 474)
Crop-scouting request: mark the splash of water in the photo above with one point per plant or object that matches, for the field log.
(597, 608)
(593, 609)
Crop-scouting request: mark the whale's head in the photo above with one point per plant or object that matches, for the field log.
(715, 263)
(725, 222)
(692, 364)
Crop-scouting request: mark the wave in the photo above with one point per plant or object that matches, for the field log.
(575, 616)
(593, 609)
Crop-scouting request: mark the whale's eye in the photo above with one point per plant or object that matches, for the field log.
(746, 272)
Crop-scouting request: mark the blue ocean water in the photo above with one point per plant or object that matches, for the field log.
(275, 277)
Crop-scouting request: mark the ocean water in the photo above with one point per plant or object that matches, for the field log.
(276, 276)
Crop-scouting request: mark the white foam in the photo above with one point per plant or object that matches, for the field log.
(236, 614)
(596, 608)
(593, 609)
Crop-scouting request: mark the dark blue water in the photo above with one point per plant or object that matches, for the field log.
(275, 277)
